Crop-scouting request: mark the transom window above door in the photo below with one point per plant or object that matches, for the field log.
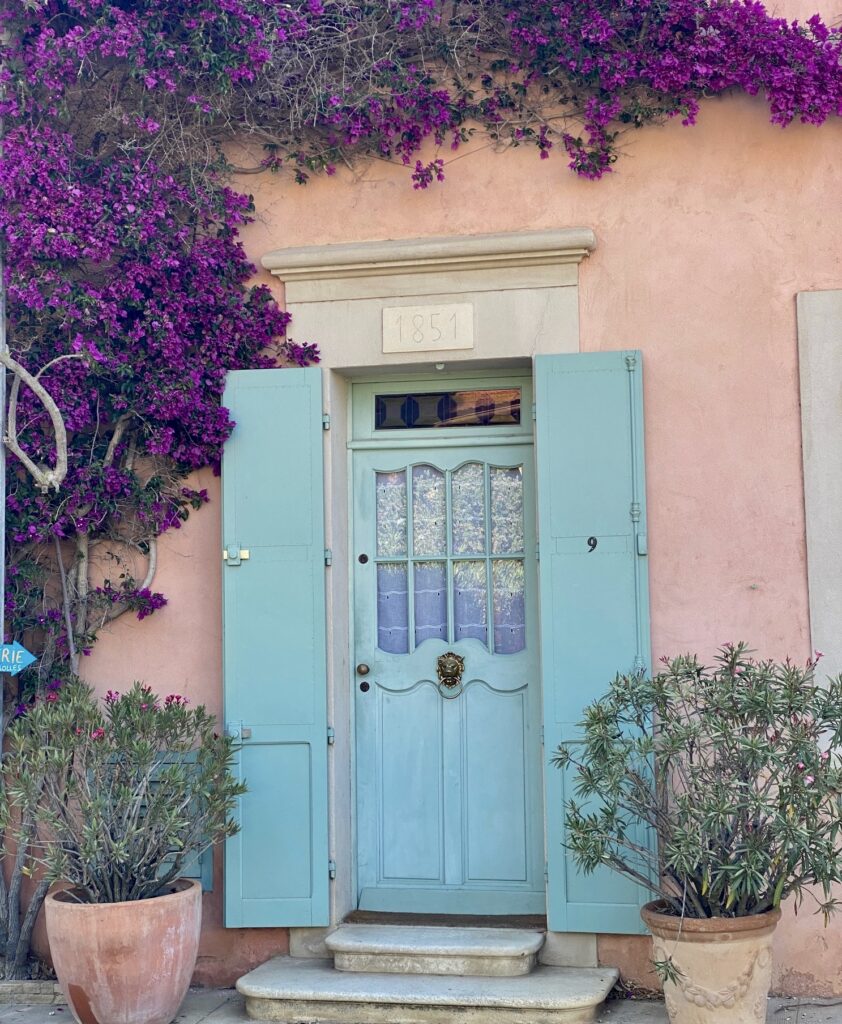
(475, 408)
(450, 551)
(450, 409)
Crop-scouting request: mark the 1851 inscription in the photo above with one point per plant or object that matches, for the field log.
(428, 328)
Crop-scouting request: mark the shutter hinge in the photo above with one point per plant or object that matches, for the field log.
(546, 873)
(234, 555)
(537, 552)
(534, 412)
(631, 362)
(634, 511)
(326, 421)
(542, 735)
(331, 869)
(642, 544)
(328, 556)
(331, 736)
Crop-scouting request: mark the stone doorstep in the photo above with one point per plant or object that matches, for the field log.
(398, 949)
(35, 992)
(291, 991)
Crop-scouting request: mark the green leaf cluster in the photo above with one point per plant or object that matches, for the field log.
(735, 772)
(124, 793)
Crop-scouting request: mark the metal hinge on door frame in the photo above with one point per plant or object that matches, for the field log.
(331, 869)
(331, 736)
(326, 421)
(328, 556)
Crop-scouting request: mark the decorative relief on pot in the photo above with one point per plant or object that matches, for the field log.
(723, 976)
(727, 996)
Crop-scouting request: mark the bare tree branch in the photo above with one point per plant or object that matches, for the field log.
(45, 478)
(58, 359)
(65, 600)
(153, 563)
(116, 438)
(82, 588)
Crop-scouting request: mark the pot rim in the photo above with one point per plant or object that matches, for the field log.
(717, 929)
(187, 887)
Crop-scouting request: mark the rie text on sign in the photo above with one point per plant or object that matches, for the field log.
(15, 658)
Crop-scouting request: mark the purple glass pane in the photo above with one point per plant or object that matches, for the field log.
(470, 609)
(430, 601)
(509, 607)
(392, 609)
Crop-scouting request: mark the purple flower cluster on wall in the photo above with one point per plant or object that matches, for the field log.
(129, 292)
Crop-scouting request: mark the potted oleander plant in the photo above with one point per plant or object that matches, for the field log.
(716, 788)
(126, 793)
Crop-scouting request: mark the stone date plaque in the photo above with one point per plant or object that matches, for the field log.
(428, 328)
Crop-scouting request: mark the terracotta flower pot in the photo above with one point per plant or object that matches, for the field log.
(126, 963)
(725, 965)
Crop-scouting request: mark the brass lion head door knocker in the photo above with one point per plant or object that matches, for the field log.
(449, 669)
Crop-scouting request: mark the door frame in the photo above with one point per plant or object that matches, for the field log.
(361, 437)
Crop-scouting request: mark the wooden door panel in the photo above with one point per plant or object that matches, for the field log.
(411, 784)
(496, 774)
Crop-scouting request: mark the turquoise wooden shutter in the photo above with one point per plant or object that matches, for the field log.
(276, 868)
(593, 589)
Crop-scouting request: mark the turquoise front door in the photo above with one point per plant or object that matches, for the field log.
(448, 770)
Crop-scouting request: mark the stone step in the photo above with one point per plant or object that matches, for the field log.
(289, 991)
(398, 949)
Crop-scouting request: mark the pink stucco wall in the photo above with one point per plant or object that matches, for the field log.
(705, 236)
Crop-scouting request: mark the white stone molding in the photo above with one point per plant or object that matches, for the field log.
(820, 367)
(431, 255)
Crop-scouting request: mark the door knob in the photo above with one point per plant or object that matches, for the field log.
(363, 669)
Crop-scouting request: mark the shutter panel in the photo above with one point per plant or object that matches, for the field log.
(276, 867)
(594, 596)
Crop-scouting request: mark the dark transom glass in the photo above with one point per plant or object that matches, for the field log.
(481, 408)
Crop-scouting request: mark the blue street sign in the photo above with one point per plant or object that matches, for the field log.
(14, 658)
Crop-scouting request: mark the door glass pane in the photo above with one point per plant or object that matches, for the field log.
(470, 592)
(506, 510)
(468, 509)
(484, 408)
(391, 514)
(392, 608)
(429, 514)
(509, 610)
(430, 601)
